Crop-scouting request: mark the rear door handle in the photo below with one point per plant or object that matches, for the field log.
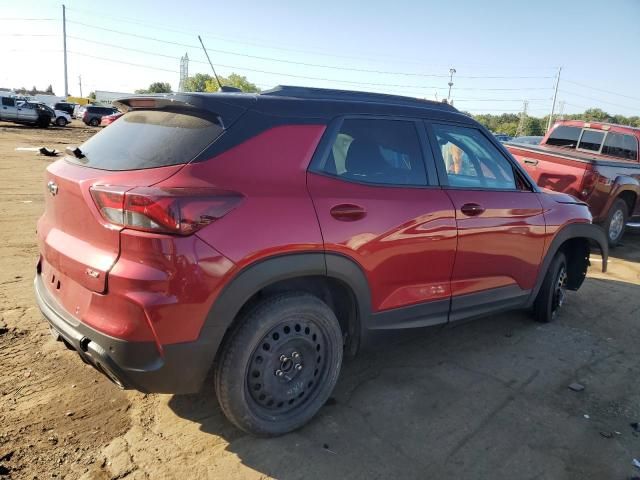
(472, 209)
(531, 162)
(347, 212)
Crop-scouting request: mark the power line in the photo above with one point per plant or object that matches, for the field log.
(305, 64)
(27, 35)
(23, 19)
(123, 62)
(597, 100)
(287, 49)
(602, 90)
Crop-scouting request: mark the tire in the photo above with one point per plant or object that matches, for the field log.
(552, 294)
(94, 122)
(616, 221)
(61, 122)
(279, 365)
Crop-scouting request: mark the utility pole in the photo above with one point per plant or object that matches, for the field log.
(80, 84)
(64, 43)
(523, 116)
(451, 72)
(555, 95)
(214, 70)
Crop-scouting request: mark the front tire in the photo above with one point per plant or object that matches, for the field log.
(61, 122)
(616, 221)
(280, 364)
(94, 122)
(552, 294)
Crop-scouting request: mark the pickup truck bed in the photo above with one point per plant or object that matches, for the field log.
(609, 185)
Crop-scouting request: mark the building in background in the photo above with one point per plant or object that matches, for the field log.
(105, 98)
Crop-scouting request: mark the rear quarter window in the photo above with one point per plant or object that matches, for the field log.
(149, 139)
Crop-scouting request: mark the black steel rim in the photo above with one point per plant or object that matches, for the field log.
(287, 368)
(559, 291)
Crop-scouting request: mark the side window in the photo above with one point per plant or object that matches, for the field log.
(377, 151)
(8, 102)
(621, 146)
(591, 140)
(471, 160)
(563, 136)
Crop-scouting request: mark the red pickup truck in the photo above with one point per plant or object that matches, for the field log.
(595, 162)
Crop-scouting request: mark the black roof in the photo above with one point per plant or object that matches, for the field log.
(292, 101)
(310, 93)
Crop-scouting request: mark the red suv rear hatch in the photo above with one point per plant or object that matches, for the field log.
(141, 149)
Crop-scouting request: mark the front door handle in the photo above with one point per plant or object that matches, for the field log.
(347, 212)
(472, 209)
(529, 161)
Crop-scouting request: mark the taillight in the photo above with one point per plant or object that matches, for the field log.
(180, 211)
(588, 183)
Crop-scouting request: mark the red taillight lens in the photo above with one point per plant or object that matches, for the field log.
(588, 183)
(181, 211)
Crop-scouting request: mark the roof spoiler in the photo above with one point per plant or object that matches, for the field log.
(227, 108)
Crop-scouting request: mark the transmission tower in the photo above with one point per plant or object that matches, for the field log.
(561, 110)
(184, 71)
(523, 116)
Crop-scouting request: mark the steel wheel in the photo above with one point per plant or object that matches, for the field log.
(560, 291)
(287, 368)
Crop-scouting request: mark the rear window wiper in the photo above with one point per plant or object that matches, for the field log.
(75, 151)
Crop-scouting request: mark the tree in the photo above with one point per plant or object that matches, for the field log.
(202, 82)
(49, 90)
(596, 114)
(197, 83)
(92, 96)
(156, 87)
(532, 126)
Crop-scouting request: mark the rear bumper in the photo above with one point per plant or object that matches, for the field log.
(179, 368)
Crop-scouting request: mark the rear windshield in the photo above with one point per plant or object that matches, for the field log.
(564, 136)
(148, 139)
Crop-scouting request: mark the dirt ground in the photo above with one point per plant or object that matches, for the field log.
(487, 399)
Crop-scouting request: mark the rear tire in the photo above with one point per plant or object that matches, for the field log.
(280, 364)
(94, 122)
(616, 221)
(61, 122)
(552, 294)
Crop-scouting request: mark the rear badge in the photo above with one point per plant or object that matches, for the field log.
(92, 273)
(52, 187)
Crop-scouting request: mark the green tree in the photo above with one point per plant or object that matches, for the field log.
(197, 83)
(92, 96)
(596, 114)
(49, 90)
(532, 126)
(202, 82)
(156, 87)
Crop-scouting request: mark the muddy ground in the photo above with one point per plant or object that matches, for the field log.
(487, 399)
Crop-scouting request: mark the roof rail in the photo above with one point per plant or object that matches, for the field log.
(352, 96)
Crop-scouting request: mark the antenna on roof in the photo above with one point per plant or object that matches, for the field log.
(214, 70)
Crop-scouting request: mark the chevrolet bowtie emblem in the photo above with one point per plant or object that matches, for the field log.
(52, 187)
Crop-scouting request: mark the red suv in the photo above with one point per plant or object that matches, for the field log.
(265, 235)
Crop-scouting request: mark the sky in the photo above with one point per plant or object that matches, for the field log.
(504, 52)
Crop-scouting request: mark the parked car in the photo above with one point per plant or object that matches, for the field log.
(268, 234)
(24, 112)
(78, 111)
(61, 119)
(109, 119)
(93, 115)
(528, 140)
(503, 137)
(65, 107)
(595, 162)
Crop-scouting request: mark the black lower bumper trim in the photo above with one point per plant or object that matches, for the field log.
(181, 368)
